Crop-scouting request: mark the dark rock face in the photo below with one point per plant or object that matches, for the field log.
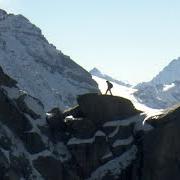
(161, 148)
(103, 108)
(43, 165)
(89, 153)
(22, 102)
(101, 134)
(33, 142)
(6, 80)
(12, 117)
(105, 141)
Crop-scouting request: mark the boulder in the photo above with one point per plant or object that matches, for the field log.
(56, 124)
(30, 105)
(103, 108)
(81, 128)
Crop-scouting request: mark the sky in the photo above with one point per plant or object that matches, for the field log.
(130, 40)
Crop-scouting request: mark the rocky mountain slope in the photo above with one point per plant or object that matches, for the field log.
(163, 90)
(38, 67)
(106, 139)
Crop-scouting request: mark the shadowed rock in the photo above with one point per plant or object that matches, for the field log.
(103, 108)
(161, 148)
(6, 80)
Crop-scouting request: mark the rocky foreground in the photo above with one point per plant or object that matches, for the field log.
(106, 139)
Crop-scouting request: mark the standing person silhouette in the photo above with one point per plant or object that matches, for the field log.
(109, 87)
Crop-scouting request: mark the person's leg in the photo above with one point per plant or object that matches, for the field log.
(110, 92)
(106, 91)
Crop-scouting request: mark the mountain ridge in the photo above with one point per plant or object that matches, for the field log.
(163, 90)
(98, 73)
(37, 66)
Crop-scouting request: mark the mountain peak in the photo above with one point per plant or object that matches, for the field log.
(169, 74)
(38, 67)
(96, 72)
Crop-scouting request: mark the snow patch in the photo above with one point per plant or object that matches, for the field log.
(114, 132)
(124, 122)
(125, 92)
(168, 87)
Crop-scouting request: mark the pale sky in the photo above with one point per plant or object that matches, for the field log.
(131, 40)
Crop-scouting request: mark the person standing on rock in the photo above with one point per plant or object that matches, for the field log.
(109, 87)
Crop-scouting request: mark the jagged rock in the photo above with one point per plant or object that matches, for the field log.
(33, 142)
(4, 165)
(20, 168)
(74, 111)
(89, 153)
(105, 143)
(81, 128)
(30, 105)
(43, 165)
(56, 124)
(12, 175)
(12, 117)
(6, 80)
(55, 119)
(5, 142)
(161, 148)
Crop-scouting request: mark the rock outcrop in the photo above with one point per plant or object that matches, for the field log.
(107, 139)
(161, 148)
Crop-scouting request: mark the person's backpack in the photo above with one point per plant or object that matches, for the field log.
(110, 85)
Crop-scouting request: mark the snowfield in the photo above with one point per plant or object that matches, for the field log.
(126, 92)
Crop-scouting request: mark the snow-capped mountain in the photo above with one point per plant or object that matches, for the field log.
(169, 74)
(163, 90)
(38, 67)
(96, 72)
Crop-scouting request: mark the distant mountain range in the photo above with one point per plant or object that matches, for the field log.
(96, 72)
(163, 90)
